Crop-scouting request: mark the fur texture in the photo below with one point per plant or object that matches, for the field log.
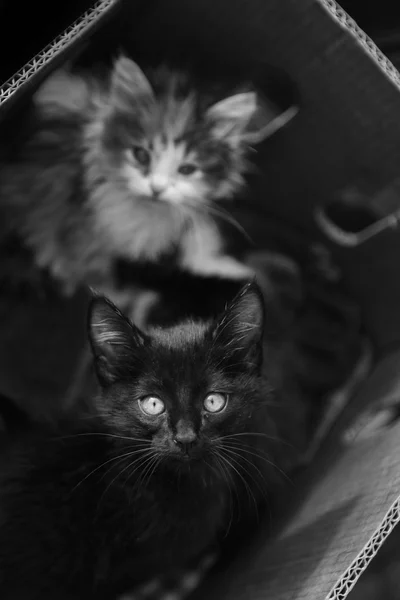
(127, 166)
(183, 438)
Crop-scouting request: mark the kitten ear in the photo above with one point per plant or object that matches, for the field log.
(243, 118)
(231, 116)
(114, 340)
(239, 330)
(129, 85)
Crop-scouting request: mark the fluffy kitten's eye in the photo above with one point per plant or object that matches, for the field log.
(141, 155)
(215, 402)
(151, 405)
(187, 169)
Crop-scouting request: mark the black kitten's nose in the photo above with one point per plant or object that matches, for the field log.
(185, 438)
(186, 447)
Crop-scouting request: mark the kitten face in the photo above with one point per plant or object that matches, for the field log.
(167, 146)
(180, 390)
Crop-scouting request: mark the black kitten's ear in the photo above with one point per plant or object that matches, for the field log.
(239, 331)
(114, 340)
(129, 85)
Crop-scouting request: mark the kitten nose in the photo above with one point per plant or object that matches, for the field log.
(158, 185)
(185, 438)
(185, 445)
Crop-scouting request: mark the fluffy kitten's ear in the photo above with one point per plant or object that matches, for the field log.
(243, 118)
(129, 85)
(240, 328)
(114, 340)
(231, 116)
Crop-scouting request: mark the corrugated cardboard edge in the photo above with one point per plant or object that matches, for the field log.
(347, 23)
(350, 577)
(77, 30)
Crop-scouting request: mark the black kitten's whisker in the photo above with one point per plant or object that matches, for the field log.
(145, 460)
(142, 451)
(142, 460)
(256, 454)
(260, 487)
(248, 489)
(260, 435)
(150, 471)
(237, 457)
(100, 433)
(142, 481)
(260, 482)
(230, 484)
(250, 433)
(132, 447)
(119, 457)
(227, 474)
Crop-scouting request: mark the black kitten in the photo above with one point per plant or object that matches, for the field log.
(150, 481)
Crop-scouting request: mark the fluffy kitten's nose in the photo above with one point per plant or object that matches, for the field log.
(158, 185)
(185, 438)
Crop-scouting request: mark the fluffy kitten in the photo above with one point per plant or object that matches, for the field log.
(127, 166)
(183, 430)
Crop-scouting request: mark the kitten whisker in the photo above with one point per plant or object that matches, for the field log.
(136, 446)
(230, 485)
(226, 216)
(253, 452)
(146, 460)
(139, 460)
(263, 491)
(100, 433)
(238, 457)
(127, 456)
(261, 483)
(99, 467)
(258, 434)
(250, 433)
(153, 467)
(246, 485)
(147, 465)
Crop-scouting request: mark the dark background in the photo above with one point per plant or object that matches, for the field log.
(26, 27)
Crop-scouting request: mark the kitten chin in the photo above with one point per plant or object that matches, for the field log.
(169, 459)
(117, 166)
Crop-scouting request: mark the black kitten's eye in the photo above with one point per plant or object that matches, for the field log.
(141, 155)
(215, 402)
(187, 169)
(152, 406)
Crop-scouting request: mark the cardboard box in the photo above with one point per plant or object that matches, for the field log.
(345, 137)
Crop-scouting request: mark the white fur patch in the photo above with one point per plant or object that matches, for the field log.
(203, 253)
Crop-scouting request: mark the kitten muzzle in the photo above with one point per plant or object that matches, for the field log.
(186, 446)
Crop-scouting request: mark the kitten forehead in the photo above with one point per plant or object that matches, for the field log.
(177, 115)
(189, 333)
(167, 153)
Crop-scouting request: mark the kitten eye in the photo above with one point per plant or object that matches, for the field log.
(215, 402)
(187, 169)
(152, 406)
(141, 155)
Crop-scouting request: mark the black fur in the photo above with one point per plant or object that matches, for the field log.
(75, 523)
(183, 295)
